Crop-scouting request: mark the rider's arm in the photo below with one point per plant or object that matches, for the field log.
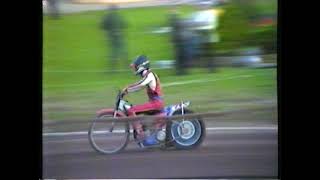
(141, 84)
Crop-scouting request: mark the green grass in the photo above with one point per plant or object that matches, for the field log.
(75, 44)
(81, 101)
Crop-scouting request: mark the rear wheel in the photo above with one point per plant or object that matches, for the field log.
(108, 137)
(187, 133)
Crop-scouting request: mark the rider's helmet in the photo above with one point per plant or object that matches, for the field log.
(139, 64)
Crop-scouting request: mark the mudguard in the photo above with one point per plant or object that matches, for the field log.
(169, 110)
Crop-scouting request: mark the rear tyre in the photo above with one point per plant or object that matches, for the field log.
(187, 134)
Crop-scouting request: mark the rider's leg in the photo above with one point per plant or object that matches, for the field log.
(151, 105)
(137, 125)
(140, 135)
(159, 121)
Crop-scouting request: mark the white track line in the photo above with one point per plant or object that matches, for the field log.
(204, 80)
(121, 131)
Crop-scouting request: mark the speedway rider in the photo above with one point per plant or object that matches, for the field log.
(150, 81)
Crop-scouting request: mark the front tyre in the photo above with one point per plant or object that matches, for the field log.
(187, 134)
(108, 137)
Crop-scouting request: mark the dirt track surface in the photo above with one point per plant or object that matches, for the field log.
(225, 153)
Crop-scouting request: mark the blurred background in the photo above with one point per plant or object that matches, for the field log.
(219, 54)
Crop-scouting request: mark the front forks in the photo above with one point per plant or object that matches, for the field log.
(182, 113)
(112, 124)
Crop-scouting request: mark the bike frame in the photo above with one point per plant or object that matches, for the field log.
(167, 111)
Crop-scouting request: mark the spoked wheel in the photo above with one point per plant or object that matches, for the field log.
(186, 134)
(108, 137)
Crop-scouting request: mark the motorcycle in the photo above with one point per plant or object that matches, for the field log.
(113, 136)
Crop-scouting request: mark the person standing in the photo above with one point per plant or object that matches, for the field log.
(205, 24)
(53, 8)
(113, 24)
(177, 40)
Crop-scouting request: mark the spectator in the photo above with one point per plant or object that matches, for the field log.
(114, 26)
(177, 40)
(205, 23)
(53, 8)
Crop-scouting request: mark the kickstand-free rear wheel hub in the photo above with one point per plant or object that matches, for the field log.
(186, 130)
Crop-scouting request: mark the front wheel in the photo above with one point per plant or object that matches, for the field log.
(187, 133)
(108, 137)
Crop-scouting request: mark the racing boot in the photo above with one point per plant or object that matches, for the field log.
(150, 140)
